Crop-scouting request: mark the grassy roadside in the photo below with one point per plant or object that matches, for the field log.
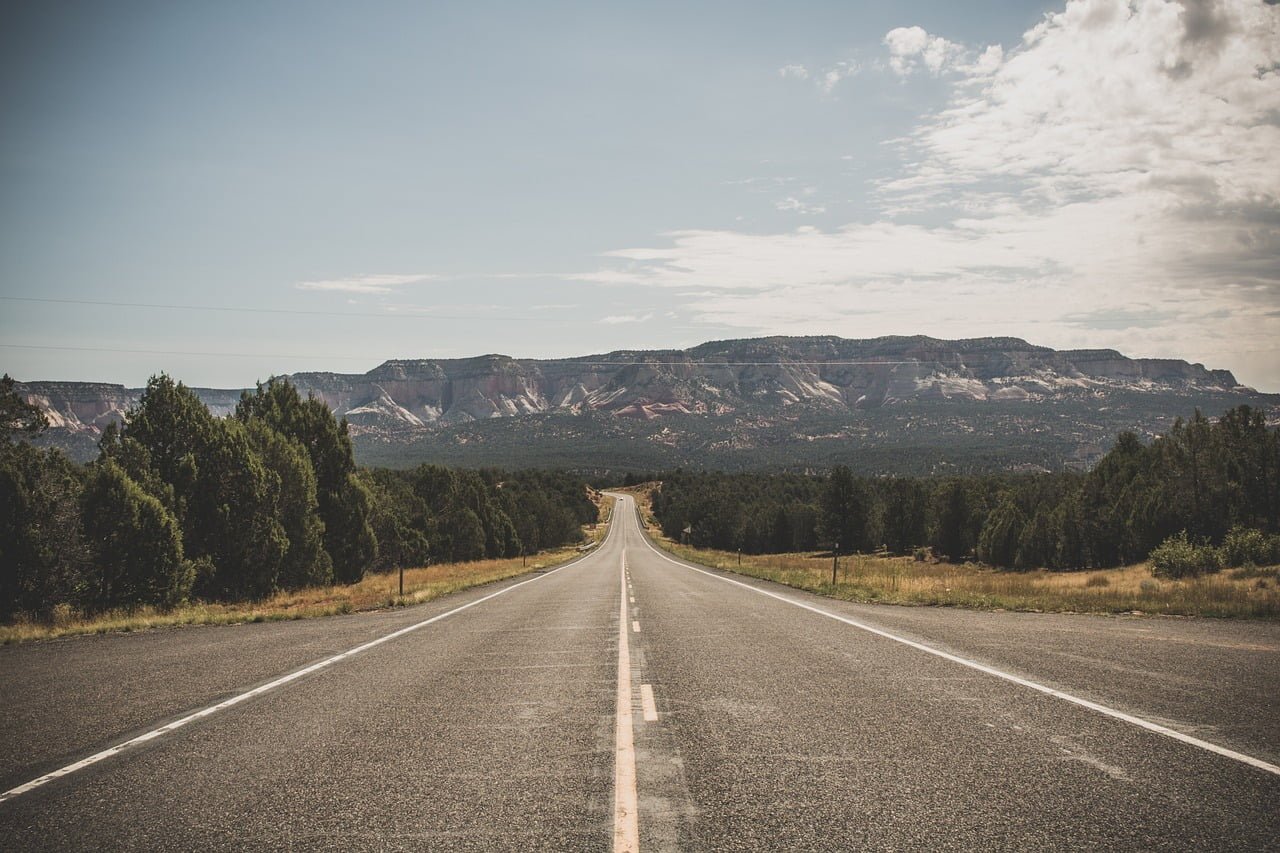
(374, 592)
(902, 580)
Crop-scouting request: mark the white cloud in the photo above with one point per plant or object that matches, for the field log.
(833, 75)
(909, 47)
(1118, 163)
(364, 283)
(987, 62)
(825, 80)
(791, 204)
(619, 319)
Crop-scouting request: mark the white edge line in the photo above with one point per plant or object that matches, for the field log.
(648, 704)
(989, 670)
(264, 688)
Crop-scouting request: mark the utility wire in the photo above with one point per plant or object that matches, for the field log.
(721, 363)
(181, 352)
(393, 316)
(300, 312)
(583, 361)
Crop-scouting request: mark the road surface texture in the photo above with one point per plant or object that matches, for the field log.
(628, 701)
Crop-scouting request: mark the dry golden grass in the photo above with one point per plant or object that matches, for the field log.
(902, 580)
(374, 592)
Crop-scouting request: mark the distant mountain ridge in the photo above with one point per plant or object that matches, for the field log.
(738, 386)
(726, 376)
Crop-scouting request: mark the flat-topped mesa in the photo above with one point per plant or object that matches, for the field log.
(88, 407)
(754, 376)
(79, 406)
(1112, 364)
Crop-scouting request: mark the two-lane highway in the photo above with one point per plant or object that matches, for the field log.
(628, 700)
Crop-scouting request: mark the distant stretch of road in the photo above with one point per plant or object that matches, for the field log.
(631, 701)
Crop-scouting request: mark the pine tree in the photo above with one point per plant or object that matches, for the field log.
(231, 517)
(292, 497)
(43, 561)
(998, 542)
(343, 501)
(174, 427)
(135, 543)
(906, 508)
(17, 416)
(845, 511)
(954, 535)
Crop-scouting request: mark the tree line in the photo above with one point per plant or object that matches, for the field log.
(182, 504)
(1201, 480)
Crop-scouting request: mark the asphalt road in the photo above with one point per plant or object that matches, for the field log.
(736, 720)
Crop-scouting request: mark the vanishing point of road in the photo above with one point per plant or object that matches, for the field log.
(630, 701)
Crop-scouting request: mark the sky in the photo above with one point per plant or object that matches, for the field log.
(230, 191)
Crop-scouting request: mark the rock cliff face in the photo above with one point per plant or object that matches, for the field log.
(87, 407)
(824, 372)
(402, 400)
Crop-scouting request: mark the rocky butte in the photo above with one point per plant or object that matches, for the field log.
(780, 401)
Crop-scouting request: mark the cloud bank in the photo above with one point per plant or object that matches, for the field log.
(1116, 164)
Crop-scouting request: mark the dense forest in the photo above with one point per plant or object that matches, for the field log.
(181, 504)
(1201, 485)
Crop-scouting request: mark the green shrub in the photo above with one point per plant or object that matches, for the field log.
(1179, 557)
(1244, 546)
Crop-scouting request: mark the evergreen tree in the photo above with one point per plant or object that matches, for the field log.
(1037, 546)
(845, 511)
(399, 519)
(1244, 453)
(348, 535)
(954, 534)
(998, 542)
(292, 498)
(780, 536)
(343, 500)
(43, 560)
(136, 546)
(464, 540)
(174, 427)
(906, 515)
(17, 416)
(231, 517)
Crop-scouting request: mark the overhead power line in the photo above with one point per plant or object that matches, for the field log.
(385, 315)
(722, 363)
(583, 361)
(183, 352)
